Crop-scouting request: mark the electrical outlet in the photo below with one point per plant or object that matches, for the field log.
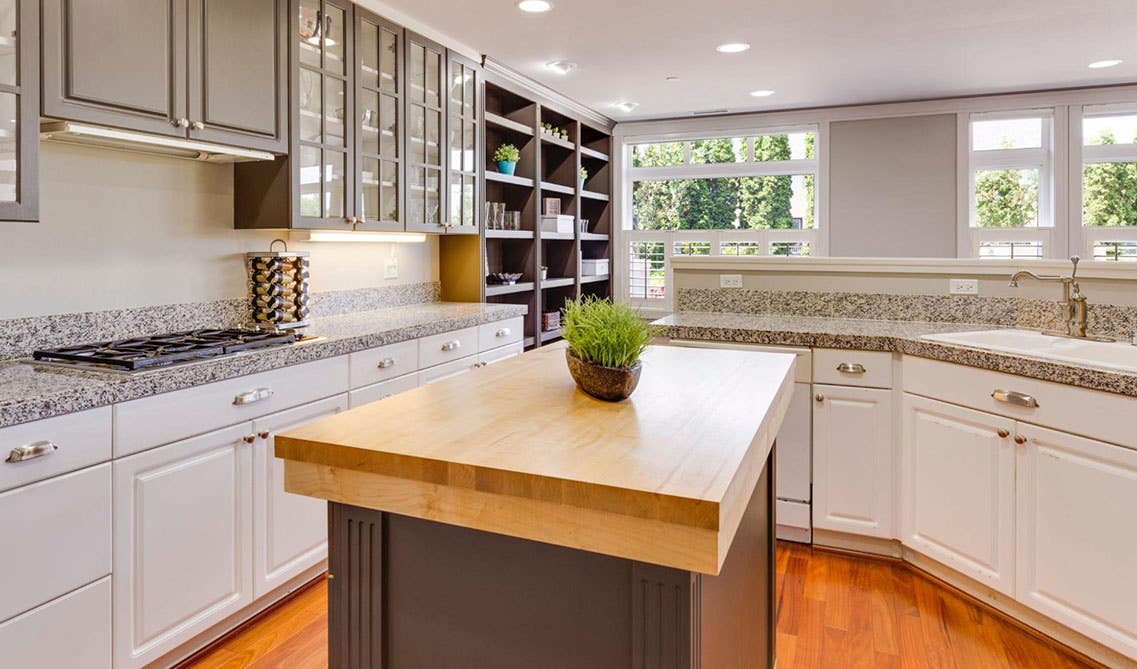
(730, 280)
(391, 268)
(964, 286)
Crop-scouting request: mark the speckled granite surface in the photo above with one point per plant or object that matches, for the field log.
(882, 335)
(32, 391)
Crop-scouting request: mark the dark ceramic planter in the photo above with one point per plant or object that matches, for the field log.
(604, 383)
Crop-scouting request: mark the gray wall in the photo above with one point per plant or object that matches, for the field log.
(892, 187)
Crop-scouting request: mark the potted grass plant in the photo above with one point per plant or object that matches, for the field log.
(583, 176)
(605, 343)
(506, 157)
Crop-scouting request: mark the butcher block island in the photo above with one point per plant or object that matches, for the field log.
(503, 518)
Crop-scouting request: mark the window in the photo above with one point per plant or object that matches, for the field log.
(751, 194)
(1010, 185)
(1109, 184)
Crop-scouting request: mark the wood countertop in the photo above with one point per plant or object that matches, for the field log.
(516, 449)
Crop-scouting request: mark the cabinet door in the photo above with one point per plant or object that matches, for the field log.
(19, 110)
(291, 530)
(378, 165)
(183, 541)
(324, 135)
(426, 98)
(958, 489)
(1076, 534)
(238, 65)
(120, 63)
(852, 460)
(464, 145)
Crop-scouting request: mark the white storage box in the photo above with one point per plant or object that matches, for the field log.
(593, 267)
(562, 223)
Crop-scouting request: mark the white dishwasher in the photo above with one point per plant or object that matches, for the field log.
(795, 442)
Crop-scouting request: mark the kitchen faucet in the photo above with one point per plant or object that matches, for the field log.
(1073, 300)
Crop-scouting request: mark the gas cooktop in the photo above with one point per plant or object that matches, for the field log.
(157, 351)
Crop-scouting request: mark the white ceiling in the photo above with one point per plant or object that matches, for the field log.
(811, 52)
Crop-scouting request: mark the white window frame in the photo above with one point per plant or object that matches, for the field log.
(1049, 230)
(817, 237)
(1082, 236)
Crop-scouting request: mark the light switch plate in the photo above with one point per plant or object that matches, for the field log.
(730, 280)
(391, 268)
(964, 286)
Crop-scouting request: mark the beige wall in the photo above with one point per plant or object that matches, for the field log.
(121, 229)
(892, 191)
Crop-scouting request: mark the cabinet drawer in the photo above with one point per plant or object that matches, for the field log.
(57, 537)
(447, 370)
(501, 353)
(440, 348)
(80, 439)
(378, 391)
(1090, 413)
(493, 335)
(867, 369)
(72, 631)
(161, 419)
(386, 362)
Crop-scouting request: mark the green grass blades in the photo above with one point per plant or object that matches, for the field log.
(604, 333)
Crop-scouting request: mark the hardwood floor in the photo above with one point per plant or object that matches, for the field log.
(834, 610)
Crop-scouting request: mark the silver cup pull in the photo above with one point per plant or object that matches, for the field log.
(36, 449)
(453, 345)
(1016, 398)
(251, 396)
(851, 368)
(386, 363)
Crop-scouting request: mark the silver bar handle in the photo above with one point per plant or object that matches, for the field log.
(504, 332)
(452, 345)
(36, 449)
(851, 368)
(386, 363)
(1014, 397)
(251, 396)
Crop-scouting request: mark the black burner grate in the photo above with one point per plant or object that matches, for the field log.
(167, 349)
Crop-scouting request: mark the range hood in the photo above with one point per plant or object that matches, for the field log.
(126, 140)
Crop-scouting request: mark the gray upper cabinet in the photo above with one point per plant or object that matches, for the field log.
(19, 110)
(205, 69)
(425, 103)
(464, 156)
(379, 140)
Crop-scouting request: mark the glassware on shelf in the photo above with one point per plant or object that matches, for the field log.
(513, 220)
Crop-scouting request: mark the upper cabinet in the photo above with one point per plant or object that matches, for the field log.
(199, 69)
(19, 110)
(379, 149)
(464, 144)
(425, 105)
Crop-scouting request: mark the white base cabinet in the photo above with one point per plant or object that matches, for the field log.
(958, 489)
(1077, 534)
(72, 631)
(852, 460)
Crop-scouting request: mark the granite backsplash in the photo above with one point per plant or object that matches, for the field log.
(20, 336)
(1104, 319)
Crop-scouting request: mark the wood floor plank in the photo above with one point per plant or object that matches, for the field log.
(883, 612)
(838, 594)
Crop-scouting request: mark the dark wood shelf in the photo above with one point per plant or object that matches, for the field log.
(593, 237)
(557, 141)
(529, 342)
(509, 234)
(508, 124)
(594, 278)
(558, 282)
(519, 287)
(557, 188)
(593, 195)
(511, 179)
(550, 335)
(592, 153)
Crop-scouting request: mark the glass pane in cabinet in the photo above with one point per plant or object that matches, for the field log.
(417, 74)
(309, 181)
(310, 32)
(418, 134)
(334, 40)
(389, 62)
(433, 137)
(334, 191)
(458, 74)
(469, 138)
(370, 183)
(433, 78)
(454, 144)
(334, 109)
(9, 41)
(369, 50)
(369, 119)
(415, 194)
(389, 126)
(389, 193)
(9, 134)
(469, 198)
(455, 199)
(309, 94)
(468, 93)
(433, 183)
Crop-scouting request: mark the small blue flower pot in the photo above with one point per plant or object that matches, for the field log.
(506, 167)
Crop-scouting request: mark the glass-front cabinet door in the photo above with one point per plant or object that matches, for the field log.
(379, 111)
(464, 145)
(19, 110)
(324, 124)
(426, 97)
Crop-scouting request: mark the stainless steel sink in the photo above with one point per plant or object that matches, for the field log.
(1109, 355)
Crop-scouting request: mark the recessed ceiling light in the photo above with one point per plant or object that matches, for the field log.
(560, 66)
(534, 6)
(1100, 64)
(763, 93)
(732, 47)
(626, 106)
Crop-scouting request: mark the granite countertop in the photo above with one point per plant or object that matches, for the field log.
(31, 391)
(899, 336)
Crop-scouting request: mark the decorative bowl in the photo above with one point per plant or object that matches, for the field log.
(604, 383)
